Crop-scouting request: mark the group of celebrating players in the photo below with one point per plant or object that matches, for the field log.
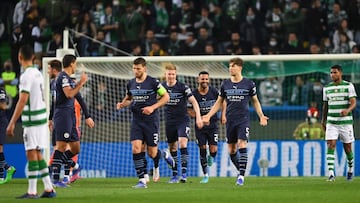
(145, 95)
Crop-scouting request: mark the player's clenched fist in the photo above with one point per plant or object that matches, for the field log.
(83, 78)
(120, 105)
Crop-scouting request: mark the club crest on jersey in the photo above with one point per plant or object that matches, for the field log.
(65, 80)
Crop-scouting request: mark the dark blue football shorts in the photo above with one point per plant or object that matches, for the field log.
(65, 125)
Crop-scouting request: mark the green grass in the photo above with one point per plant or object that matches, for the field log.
(218, 190)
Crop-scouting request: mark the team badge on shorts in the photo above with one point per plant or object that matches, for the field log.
(66, 135)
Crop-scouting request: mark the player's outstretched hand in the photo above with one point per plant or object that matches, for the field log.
(90, 122)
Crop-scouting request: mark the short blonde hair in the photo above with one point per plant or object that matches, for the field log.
(170, 66)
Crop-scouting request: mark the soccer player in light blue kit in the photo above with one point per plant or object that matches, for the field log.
(177, 120)
(339, 100)
(206, 97)
(142, 94)
(237, 91)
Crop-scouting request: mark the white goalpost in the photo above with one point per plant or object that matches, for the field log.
(106, 150)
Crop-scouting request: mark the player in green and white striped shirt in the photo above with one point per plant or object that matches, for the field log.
(339, 99)
(32, 109)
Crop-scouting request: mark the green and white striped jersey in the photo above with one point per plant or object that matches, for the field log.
(32, 82)
(338, 98)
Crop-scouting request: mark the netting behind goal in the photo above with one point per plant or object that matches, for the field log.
(106, 150)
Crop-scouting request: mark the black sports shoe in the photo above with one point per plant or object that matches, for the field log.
(349, 176)
(51, 194)
(331, 178)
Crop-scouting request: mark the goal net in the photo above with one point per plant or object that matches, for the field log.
(106, 150)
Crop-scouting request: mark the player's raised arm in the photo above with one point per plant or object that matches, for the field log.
(71, 92)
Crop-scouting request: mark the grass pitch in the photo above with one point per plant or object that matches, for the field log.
(218, 190)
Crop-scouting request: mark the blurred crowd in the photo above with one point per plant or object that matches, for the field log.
(183, 27)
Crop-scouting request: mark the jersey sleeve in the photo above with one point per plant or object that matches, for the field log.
(189, 104)
(83, 105)
(252, 88)
(188, 91)
(352, 92)
(222, 92)
(25, 83)
(65, 82)
(324, 94)
(160, 89)
(128, 92)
